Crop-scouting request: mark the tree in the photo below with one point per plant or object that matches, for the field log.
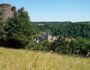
(2, 34)
(18, 30)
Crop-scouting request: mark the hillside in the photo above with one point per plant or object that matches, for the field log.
(11, 59)
(75, 29)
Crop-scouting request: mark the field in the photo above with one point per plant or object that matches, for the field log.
(12, 59)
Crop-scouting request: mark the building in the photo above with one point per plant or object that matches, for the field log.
(52, 38)
(6, 11)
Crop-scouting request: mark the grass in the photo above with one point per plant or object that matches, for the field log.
(12, 59)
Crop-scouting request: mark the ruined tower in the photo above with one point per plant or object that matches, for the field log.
(6, 11)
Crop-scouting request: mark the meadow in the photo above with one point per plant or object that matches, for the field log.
(14, 59)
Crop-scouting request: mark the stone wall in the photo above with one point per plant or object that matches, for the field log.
(6, 11)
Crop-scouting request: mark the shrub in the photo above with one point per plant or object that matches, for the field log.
(79, 46)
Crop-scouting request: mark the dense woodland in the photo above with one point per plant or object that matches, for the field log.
(75, 29)
(80, 31)
(19, 32)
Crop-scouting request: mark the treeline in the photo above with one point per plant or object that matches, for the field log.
(75, 46)
(64, 45)
(65, 28)
(77, 35)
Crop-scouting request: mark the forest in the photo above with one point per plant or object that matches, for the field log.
(74, 29)
(79, 31)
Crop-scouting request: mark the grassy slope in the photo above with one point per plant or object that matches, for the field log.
(11, 59)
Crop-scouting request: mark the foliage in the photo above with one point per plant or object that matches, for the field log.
(17, 30)
(75, 29)
(79, 46)
(42, 46)
(0, 13)
(82, 45)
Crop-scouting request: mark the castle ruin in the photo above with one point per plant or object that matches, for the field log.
(6, 11)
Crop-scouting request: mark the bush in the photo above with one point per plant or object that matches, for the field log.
(42, 46)
(82, 45)
(79, 46)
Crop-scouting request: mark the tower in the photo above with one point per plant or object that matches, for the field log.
(6, 11)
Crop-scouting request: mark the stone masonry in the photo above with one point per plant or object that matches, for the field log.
(6, 11)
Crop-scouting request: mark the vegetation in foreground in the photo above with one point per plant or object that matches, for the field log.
(11, 59)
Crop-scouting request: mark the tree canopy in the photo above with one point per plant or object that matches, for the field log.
(17, 30)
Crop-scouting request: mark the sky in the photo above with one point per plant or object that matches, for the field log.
(54, 10)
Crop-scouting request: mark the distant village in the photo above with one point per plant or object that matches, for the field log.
(51, 38)
(45, 36)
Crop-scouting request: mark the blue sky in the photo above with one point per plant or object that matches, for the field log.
(54, 10)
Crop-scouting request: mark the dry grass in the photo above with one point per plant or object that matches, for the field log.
(11, 59)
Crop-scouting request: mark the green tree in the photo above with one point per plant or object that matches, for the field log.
(2, 34)
(19, 30)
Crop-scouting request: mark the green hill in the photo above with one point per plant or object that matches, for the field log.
(12, 59)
